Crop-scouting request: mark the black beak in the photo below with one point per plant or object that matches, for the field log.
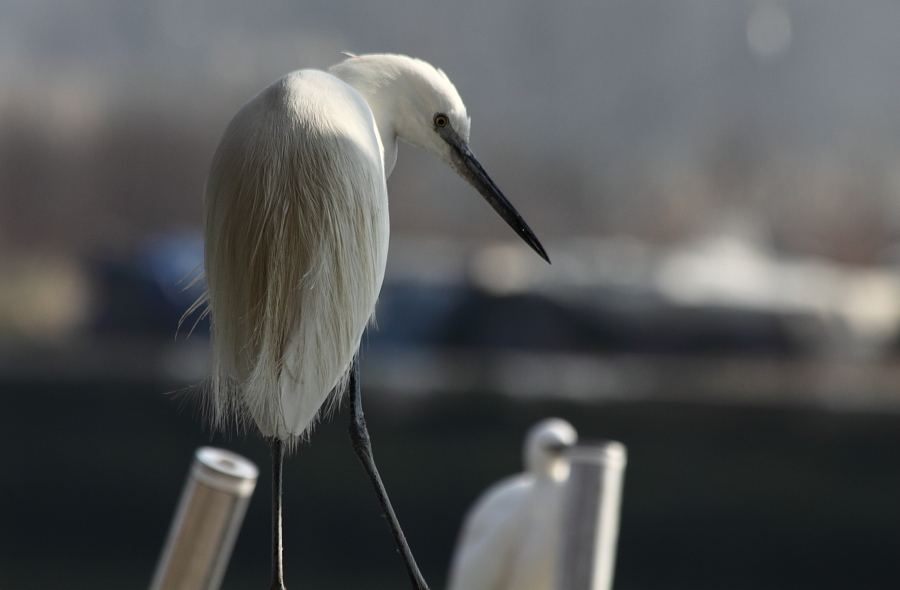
(557, 448)
(467, 166)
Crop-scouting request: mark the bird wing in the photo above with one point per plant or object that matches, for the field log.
(296, 244)
(534, 564)
(490, 535)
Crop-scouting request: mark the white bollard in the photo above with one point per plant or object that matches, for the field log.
(209, 516)
(590, 517)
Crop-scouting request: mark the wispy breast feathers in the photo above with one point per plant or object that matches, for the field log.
(296, 224)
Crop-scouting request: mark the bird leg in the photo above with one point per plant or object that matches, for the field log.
(276, 446)
(362, 444)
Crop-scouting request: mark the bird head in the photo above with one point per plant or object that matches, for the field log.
(544, 446)
(418, 103)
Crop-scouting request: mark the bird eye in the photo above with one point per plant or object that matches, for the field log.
(441, 120)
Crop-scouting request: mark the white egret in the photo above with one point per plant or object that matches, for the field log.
(510, 537)
(296, 239)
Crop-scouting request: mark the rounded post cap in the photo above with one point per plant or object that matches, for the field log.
(224, 471)
(605, 452)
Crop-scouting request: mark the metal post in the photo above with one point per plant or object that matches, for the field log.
(590, 517)
(209, 516)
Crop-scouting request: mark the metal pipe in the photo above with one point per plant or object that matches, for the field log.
(590, 516)
(206, 523)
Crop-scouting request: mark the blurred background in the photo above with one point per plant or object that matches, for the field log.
(717, 184)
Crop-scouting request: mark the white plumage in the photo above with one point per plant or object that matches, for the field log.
(510, 537)
(296, 239)
(297, 230)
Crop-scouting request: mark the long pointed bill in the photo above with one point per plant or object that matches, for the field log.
(467, 166)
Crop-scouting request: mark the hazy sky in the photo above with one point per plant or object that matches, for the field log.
(565, 97)
(601, 75)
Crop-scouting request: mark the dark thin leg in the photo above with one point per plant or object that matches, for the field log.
(359, 436)
(277, 448)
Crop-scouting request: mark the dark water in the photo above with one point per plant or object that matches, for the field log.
(715, 497)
